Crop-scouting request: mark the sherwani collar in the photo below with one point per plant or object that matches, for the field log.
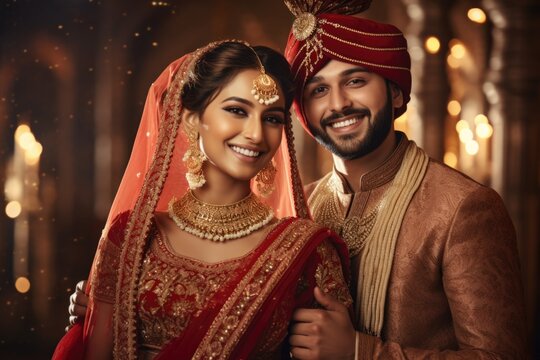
(379, 176)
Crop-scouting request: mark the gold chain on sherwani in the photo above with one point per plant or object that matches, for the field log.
(327, 211)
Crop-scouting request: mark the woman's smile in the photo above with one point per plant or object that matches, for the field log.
(245, 152)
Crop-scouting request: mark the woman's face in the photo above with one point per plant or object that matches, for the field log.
(238, 134)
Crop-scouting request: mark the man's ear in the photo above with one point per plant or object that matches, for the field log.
(190, 121)
(397, 96)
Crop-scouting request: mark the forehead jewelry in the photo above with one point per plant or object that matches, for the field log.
(264, 88)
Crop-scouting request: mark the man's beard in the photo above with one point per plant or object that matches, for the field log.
(349, 147)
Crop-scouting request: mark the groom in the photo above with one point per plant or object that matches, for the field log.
(434, 261)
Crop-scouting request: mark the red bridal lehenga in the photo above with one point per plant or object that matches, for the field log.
(176, 307)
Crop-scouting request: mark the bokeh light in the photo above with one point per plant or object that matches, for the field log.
(452, 62)
(484, 131)
(26, 140)
(457, 50)
(481, 119)
(454, 107)
(472, 147)
(13, 209)
(13, 189)
(466, 135)
(33, 153)
(432, 44)
(477, 15)
(22, 284)
(21, 129)
(461, 124)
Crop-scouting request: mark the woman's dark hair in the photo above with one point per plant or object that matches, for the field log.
(219, 65)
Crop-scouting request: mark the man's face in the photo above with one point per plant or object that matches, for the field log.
(349, 109)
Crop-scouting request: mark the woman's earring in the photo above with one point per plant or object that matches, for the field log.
(194, 159)
(265, 179)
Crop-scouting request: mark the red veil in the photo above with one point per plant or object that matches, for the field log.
(155, 173)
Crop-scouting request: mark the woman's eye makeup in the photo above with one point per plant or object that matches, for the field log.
(235, 110)
(274, 119)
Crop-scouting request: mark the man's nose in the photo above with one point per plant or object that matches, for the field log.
(339, 100)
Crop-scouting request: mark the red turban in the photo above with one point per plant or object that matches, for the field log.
(317, 39)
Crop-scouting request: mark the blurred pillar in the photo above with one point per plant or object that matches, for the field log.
(430, 18)
(512, 89)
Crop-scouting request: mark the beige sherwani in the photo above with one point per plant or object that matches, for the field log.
(454, 290)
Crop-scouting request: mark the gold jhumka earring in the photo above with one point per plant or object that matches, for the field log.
(194, 159)
(265, 179)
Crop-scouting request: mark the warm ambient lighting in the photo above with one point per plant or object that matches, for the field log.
(450, 159)
(26, 140)
(13, 209)
(13, 189)
(22, 285)
(33, 153)
(480, 119)
(21, 129)
(466, 135)
(433, 45)
(457, 49)
(461, 125)
(472, 147)
(484, 131)
(452, 62)
(477, 15)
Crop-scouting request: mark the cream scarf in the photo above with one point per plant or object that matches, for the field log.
(378, 254)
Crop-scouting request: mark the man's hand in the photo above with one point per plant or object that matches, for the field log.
(323, 333)
(78, 301)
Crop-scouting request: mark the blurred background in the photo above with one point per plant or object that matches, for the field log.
(73, 81)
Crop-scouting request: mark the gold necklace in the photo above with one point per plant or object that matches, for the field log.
(219, 222)
(354, 230)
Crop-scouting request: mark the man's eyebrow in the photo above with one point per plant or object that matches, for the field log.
(314, 79)
(344, 73)
(354, 70)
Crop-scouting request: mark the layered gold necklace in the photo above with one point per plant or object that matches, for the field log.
(219, 222)
(326, 209)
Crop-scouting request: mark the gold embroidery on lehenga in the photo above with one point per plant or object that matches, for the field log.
(173, 289)
(236, 314)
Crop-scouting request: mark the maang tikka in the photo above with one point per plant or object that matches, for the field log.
(265, 179)
(194, 159)
(264, 88)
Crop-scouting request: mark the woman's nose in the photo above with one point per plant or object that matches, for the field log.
(253, 129)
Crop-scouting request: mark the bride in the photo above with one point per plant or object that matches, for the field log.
(208, 248)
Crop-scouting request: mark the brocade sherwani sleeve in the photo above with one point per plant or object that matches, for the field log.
(481, 279)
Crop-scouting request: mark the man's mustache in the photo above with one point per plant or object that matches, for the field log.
(347, 112)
